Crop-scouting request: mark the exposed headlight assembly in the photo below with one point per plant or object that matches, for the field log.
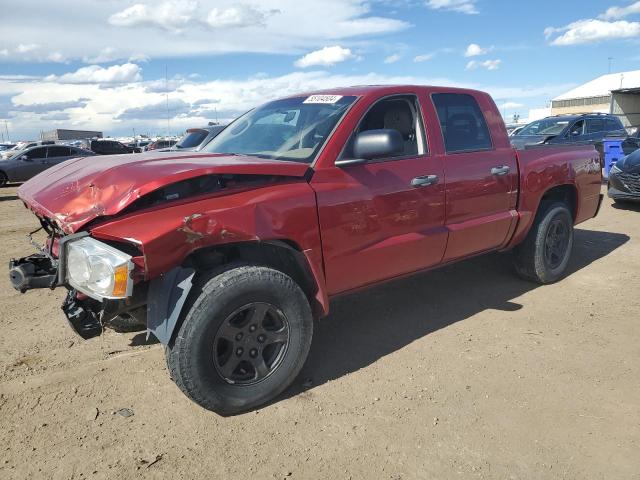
(98, 270)
(614, 169)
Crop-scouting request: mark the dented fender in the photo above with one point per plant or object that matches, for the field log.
(169, 233)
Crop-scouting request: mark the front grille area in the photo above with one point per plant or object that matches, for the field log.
(631, 180)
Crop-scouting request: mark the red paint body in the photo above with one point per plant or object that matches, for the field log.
(356, 226)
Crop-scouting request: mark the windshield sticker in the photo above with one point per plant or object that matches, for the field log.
(323, 99)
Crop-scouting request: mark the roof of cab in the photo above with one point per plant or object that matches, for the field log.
(364, 90)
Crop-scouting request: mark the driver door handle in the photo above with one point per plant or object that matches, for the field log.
(500, 171)
(424, 181)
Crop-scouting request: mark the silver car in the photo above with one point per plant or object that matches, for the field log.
(29, 162)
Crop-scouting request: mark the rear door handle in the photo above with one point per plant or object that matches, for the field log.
(500, 171)
(424, 181)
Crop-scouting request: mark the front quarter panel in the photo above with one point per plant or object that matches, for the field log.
(167, 235)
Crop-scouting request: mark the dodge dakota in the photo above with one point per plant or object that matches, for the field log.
(229, 254)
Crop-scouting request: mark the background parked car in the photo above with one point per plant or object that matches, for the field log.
(110, 147)
(158, 144)
(33, 160)
(196, 138)
(591, 128)
(139, 144)
(624, 178)
(6, 146)
(21, 146)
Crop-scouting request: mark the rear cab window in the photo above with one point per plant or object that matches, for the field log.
(463, 126)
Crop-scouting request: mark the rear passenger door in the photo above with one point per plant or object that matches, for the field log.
(481, 179)
(57, 154)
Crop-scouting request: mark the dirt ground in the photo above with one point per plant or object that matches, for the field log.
(463, 372)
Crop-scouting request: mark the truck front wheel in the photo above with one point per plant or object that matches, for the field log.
(544, 255)
(244, 339)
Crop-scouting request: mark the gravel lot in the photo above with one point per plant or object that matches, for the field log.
(463, 372)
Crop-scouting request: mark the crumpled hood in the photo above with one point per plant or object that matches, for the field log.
(81, 189)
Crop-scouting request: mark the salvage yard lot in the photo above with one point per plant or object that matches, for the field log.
(463, 372)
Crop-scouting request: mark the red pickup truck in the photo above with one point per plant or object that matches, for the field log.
(229, 254)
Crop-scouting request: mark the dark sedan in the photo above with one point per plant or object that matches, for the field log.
(624, 178)
(29, 162)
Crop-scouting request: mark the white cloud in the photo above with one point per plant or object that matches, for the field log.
(510, 106)
(4, 52)
(107, 54)
(392, 58)
(423, 58)
(94, 108)
(488, 64)
(139, 27)
(591, 31)
(125, 73)
(171, 15)
(615, 13)
(462, 6)
(475, 50)
(56, 57)
(236, 16)
(27, 48)
(326, 56)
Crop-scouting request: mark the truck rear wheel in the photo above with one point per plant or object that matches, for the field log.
(544, 255)
(244, 339)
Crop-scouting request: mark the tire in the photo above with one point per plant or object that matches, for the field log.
(3, 179)
(257, 304)
(543, 257)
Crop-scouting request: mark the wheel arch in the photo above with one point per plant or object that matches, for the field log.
(282, 254)
(566, 193)
(169, 293)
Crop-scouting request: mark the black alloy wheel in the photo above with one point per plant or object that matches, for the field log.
(251, 343)
(556, 243)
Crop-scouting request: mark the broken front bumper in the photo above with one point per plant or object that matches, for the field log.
(85, 315)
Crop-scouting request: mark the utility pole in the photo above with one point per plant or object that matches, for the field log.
(6, 127)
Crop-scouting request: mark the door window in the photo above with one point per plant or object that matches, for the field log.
(577, 129)
(37, 153)
(401, 113)
(595, 125)
(58, 151)
(613, 125)
(464, 128)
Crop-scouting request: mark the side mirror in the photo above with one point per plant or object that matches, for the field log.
(24, 158)
(373, 144)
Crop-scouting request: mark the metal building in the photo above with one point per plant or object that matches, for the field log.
(61, 134)
(617, 93)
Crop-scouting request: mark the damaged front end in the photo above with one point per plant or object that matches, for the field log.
(99, 277)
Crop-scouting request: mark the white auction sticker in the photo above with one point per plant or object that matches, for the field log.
(323, 99)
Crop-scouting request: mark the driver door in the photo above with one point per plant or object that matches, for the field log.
(383, 218)
(34, 163)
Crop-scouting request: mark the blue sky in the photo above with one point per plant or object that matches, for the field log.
(101, 64)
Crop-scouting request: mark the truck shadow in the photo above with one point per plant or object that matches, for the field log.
(367, 326)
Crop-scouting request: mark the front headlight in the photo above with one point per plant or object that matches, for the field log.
(614, 169)
(98, 270)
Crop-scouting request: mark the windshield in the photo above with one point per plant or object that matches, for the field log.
(288, 129)
(546, 126)
(192, 139)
